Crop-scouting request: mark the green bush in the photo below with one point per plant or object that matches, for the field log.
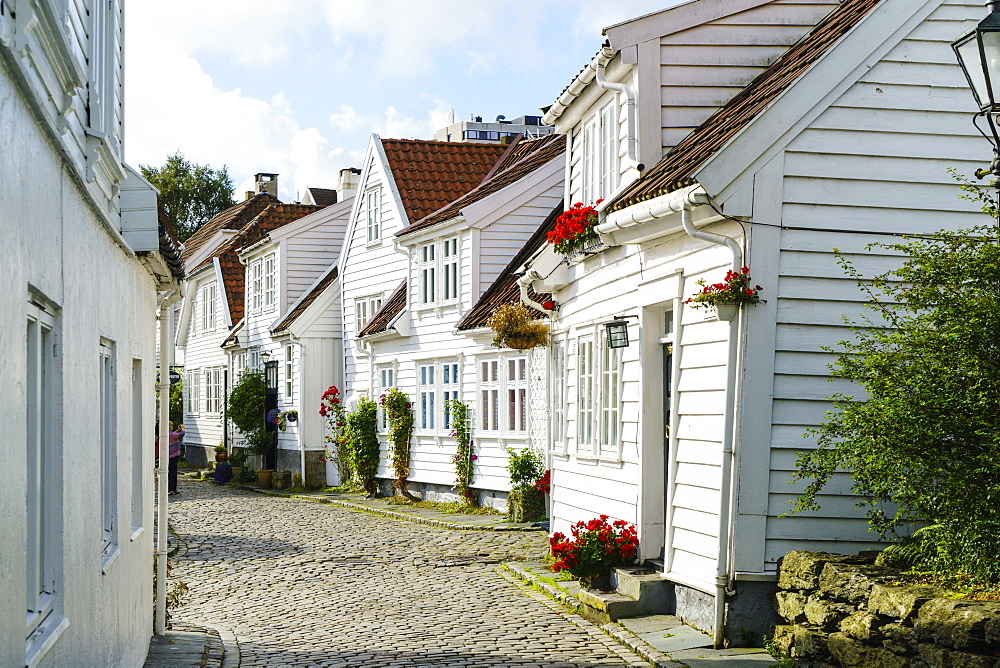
(245, 403)
(922, 440)
(362, 430)
(525, 467)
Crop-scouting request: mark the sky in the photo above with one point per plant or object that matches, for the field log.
(297, 87)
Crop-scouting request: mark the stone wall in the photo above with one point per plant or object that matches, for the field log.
(843, 610)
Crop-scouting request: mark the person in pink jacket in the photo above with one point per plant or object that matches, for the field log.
(176, 438)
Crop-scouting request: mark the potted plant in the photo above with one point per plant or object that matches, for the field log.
(525, 502)
(727, 297)
(595, 549)
(220, 453)
(575, 229)
(518, 327)
(292, 416)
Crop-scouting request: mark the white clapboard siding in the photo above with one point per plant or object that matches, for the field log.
(872, 165)
(204, 350)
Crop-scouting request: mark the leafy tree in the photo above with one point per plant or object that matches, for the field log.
(177, 402)
(922, 441)
(190, 194)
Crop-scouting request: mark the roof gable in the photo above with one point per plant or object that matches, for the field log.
(233, 218)
(430, 174)
(520, 160)
(676, 170)
(307, 300)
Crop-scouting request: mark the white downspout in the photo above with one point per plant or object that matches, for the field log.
(165, 316)
(630, 111)
(524, 282)
(726, 476)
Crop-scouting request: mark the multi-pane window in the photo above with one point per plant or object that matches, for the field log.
(253, 357)
(610, 396)
(449, 389)
(426, 394)
(517, 394)
(585, 393)
(138, 445)
(600, 155)
(241, 362)
(43, 527)
(109, 451)
(558, 392)
(428, 268)
(489, 394)
(386, 381)
(208, 307)
(193, 392)
(270, 282)
(255, 285)
(289, 374)
(373, 214)
(213, 389)
(365, 308)
(449, 267)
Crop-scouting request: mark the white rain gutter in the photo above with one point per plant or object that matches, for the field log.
(682, 202)
(576, 87)
(634, 168)
(165, 316)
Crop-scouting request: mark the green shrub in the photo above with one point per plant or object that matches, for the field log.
(362, 430)
(245, 403)
(525, 467)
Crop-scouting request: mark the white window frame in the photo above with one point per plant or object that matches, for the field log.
(386, 377)
(558, 396)
(427, 396)
(373, 215)
(609, 399)
(428, 274)
(208, 307)
(489, 376)
(451, 389)
(213, 389)
(107, 412)
(254, 359)
(241, 362)
(138, 447)
(255, 285)
(364, 308)
(451, 285)
(43, 525)
(600, 154)
(516, 394)
(270, 271)
(192, 392)
(585, 394)
(440, 278)
(289, 376)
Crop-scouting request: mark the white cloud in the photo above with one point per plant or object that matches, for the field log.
(392, 122)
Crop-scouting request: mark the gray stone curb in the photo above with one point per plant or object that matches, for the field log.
(621, 635)
(230, 646)
(407, 517)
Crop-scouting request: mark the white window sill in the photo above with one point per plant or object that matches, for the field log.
(135, 534)
(599, 459)
(110, 557)
(373, 244)
(48, 639)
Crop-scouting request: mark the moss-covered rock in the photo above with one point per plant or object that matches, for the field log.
(852, 582)
(826, 614)
(801, 643)
(899, 639)
(800, 570)
(933, 656)
(901, 602)
(956, 624)
(863, 626)
(525, 504)
(854, 653)
(791, 606)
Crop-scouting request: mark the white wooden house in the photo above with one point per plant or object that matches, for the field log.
(86, 266)
(843, 141)
(414, 342)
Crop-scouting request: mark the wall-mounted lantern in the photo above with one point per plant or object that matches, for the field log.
(978, 52)
(617, 331)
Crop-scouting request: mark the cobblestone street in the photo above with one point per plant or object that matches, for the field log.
(306, 584)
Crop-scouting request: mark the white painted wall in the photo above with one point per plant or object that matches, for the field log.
(62, 247)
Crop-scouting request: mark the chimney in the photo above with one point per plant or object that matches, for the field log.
(348, 186)
(250, 194)
(266, 183)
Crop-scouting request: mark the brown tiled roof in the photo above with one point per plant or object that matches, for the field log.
(300, 308)
(271, 218)
(504, 289)
(520, 160)
(323, 196)
(675, 170)
(383, 317)
(233, 218)
(430, 174)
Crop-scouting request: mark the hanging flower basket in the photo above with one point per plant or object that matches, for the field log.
(727, 297)
(518, 327)
(575, 229)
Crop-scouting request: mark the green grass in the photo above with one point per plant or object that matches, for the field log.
(452, 507)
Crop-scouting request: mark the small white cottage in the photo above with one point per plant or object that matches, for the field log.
(692, 429)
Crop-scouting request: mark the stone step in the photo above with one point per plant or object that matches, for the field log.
(637, 592)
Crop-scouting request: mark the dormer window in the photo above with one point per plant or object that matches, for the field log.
(439, 272)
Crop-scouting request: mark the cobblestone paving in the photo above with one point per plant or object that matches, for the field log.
(305, 584)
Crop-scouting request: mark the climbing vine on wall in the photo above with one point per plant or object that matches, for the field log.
(339, 450)
(362, 431)
(464, 456)
(399, 417)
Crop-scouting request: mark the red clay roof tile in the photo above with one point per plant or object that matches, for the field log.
(430, 174)
(233, 218)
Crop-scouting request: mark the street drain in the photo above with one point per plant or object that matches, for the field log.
(464, 560)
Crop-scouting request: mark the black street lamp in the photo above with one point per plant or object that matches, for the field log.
(978, 52)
